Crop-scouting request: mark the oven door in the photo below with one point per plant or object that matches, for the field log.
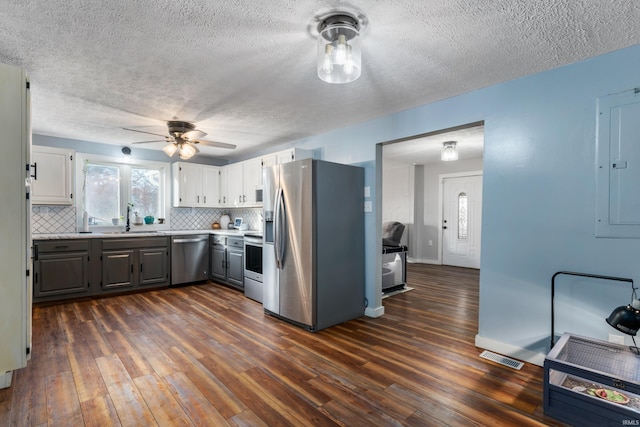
(253, 259)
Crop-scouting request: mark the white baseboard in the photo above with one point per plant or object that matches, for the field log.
(411, 260)
(374, 311)
(510, 351)
(5, 380)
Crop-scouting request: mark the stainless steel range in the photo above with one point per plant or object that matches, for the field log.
(253, 266)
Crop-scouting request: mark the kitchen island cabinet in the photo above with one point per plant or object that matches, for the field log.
(132, 263)
(61, 269)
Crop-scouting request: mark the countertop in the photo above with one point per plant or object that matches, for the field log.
(141, 233)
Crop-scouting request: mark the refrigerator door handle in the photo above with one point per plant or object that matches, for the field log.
(276, 227)
(282, 229)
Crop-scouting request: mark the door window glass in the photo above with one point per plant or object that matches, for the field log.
(463, 215)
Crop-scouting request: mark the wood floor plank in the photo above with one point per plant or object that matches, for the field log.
(62, 399)
(200, 410)
(205, 355)
(99, 412)
(163, 406)
(88, 380)
(209, 384)
(130, 406)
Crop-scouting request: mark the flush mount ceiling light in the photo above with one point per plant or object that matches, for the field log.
(449, 152)
(339, 48)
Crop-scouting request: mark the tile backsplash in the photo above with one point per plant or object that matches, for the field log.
(203, 218)
(53, 219)
(62, 219)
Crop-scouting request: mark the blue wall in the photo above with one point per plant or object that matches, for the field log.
(539, 197)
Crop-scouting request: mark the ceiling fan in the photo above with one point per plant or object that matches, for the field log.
(183, 139)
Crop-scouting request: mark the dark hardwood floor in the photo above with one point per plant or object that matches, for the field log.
(206, 355)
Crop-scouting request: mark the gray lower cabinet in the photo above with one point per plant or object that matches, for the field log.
(235, 262)
(132, 263)
(218, 258)
(61, 269)
(227, 260)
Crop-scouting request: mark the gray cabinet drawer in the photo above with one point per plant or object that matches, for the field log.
(62, 245)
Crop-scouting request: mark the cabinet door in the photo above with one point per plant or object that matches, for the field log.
(210, 186)
(252, 180)
(285, 156)
(53, 176)
(153, 266)
(187, 188)
(218, 262)
(269, 160)
(223, 198)
(235, 268)
(61, 273)
(235, 191)
(117, 269)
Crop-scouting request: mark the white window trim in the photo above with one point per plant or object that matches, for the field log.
(165, 169)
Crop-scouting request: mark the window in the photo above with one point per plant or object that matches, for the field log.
(463, 216)
(108, 185)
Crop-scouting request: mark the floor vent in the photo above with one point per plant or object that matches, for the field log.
(512, 363)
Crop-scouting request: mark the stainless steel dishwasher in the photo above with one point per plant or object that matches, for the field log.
(189, 258)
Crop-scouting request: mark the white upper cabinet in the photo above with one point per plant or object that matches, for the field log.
(252, 174)
(195, 185)
(291, 155)
(235, 190)
(52, 171)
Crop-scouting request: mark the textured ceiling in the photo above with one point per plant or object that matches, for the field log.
(244, 70)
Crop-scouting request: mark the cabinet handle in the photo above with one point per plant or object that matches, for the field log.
(131, 268)
(34, 175)
(240, 198)
(35, 277)
(197, 199)
(204, 199)
(140, 268)
(244, 197)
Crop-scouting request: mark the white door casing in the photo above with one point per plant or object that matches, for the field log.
(461, 220)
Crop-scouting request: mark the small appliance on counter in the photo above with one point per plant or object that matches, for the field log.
(238, 224)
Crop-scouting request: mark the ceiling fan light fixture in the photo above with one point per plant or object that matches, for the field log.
(187, 151)
(170, 149)
(339, 53)
(449, 152)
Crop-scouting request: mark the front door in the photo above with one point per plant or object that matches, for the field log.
(461, 221)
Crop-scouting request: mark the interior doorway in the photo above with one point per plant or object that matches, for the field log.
(461, 219)
(411, 185)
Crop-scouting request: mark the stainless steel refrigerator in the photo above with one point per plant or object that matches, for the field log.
(313, 253)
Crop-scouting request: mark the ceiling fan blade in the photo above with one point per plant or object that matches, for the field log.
(216, 144)
(192, 135)
(142, 131)
(146, 142)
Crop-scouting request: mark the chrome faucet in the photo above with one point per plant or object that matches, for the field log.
(128, 228)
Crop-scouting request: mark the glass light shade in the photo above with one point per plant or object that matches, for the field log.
(187, 151)
(170, 149)
(449, 152)
(339, 55)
